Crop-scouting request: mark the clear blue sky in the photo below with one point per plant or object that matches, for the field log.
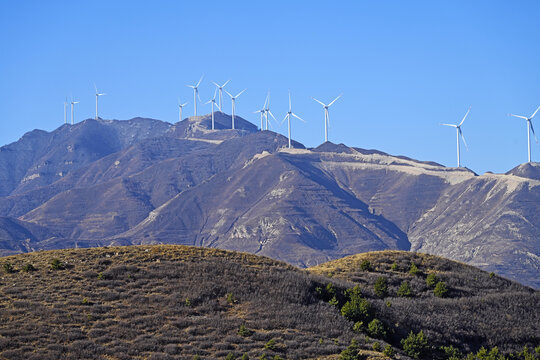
(403, 66)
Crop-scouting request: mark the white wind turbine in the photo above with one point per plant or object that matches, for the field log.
(326, 116)
(529, 129)
(288, 117)
(458, 134)
(195, 94)
(220, 88)
(267, 111)
(233, 100)
(213, 102)
(97, 96)
(72, 106)
(262, 112)
(180, 107)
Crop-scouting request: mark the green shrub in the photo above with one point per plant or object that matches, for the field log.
(365, 265)
(431, 280)
(491, 275)
(376, 329)
(56, 264)
(196, 357)
(394, 266)
(537, 350)
(388, 304)
(381, 287)
(29, 267)
(334, 301)
(230, 356)
(243, 331)
(358, 327)
(415, 346)
(187, 302)
(440, 289)
(230, 298)
(413, 270)
(351, 352)
(277, 357)
(451, 353)
(245, 357)
(357, 308)
(404, 289)
(376, 346)
(101, 276)
(8, 268)
(389, 350)
(262, 357)
(270, 345)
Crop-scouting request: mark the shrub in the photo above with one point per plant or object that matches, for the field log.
(365, 265)
(187, 302)
(245, 357)
(28, 267)
(334, 301)
(376, 346)
(101, 276)
(491, 275)
(451, 353)
(351, 352)
(404, 289)
(394, 266)
(415, 346)
(8, 268)
(357, 308)
(231, 299)
(243, 331)
(431, 280)
(376, 329)
(56, 264)
(440, 289)
(230, 356)
(270, 345)
(413, 270)
(389, 350)
(358, 326)
(381, 287)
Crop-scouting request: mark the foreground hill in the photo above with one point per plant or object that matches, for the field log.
(177, 302)
(145, 181)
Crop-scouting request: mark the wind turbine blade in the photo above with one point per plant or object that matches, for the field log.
(532, 128)
(461, 123)
(226, 82)
(95, 87)
(463, 138)
(199, 83)
(184, 104)
(290, 106)
(285, 118)
(208, 102)
(215, 92)
(228, 93)
(298, 117)
(272, 115)
(518, 116)
(213, 82)
(217, 106)
(240, 93)
(535, 112)
(318, 101)
(335, 100)
(191, 86)
(452, 125)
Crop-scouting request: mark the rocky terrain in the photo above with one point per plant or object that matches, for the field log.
(145, 181)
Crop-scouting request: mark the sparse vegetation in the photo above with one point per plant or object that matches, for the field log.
(56, 264)
(8, 268)
(28, 267)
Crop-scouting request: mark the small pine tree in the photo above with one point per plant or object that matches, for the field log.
(431, 280)
(365, 265)
(245, 357)
(230, 356)
(243, 331)
(389, 350)
(376, 329)
(376, 346)
(270, 345)
(56, 264)
(351, 352)
(394, 266)
(440, 289)
(415, 346)
(8, 268)
(404, 289)
(381, 287)
(413, 270)
(357, 308)
(28, 267)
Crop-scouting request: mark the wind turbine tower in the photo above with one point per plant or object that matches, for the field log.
(220, 88)
(195, 94)
(326, 116)
(458, 134)
(268, 112)
(72, 106)
(288, 117)
(213, 102)
(180, 106)
(262, 112)
(233, 100)
(529, 129)
(97, 97)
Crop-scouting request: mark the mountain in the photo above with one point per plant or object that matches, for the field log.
(178, 302)
(144, 181)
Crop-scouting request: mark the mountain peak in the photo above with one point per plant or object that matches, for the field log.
(527, 170)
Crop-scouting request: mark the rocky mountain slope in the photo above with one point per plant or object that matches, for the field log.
(178, 302)
(144, 181)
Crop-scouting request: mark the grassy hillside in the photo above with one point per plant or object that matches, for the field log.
(177, 302)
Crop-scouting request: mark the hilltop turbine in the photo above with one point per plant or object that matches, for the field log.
(326, 116)
(262, 112)
(268, 112)
(72, 106)
(529, 129)
(458, 134)
(213, 101)
(97, 96)
(180, 106)
(288, 117)
(233, 99)
(195, 94)
(220, 88)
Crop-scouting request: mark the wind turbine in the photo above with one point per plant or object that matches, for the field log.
(267, 111)
(458, 134)
(213, 101)
(195, 94)
(233, 99)
(262, 112)
(288, 117)
(97, 96)
(72, 106)
(180, 106)
(221, 92)
(529, 129)
(65, 111)
(326, 116)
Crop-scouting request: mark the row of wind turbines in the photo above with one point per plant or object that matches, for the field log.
(266, 113)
